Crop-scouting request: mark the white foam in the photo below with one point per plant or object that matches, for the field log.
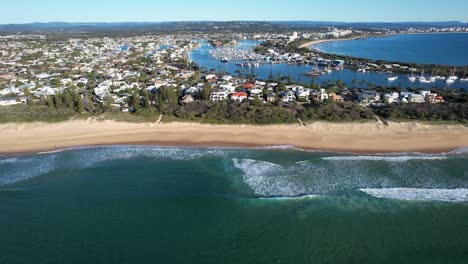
(281, 147)
(10, 160)
(386, 158)
(268, 179)
(412, 194)
(27, 168)
(460, 151)
(289, 198)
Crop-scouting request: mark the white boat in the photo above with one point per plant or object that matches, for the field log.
(423, 79)
(412, 78)
(392, 79)
(464, 79)
(452, 78)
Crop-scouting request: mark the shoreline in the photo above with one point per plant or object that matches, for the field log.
(357, 138)
(312, 43)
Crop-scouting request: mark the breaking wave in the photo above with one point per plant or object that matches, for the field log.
(386, 158)
(412, 194)
(10, 160)
(327, 177)
(21, 169)
(289, 198)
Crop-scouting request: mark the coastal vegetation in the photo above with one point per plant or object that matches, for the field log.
(147, 106)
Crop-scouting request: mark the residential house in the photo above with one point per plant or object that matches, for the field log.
(271, 97)
(335, 97)
(434, 98)
(187, 99)
(239, 96)
(416, 98)
(391, 97)
(9, 101)
(288, 97)
(218, 95)
(256, 93)
(368, 97)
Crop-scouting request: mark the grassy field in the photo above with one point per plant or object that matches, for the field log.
(25, 113)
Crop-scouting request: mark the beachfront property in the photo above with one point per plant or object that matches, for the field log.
(110, 69)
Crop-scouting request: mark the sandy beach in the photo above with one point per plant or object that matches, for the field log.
(318, 41)
(344, 137)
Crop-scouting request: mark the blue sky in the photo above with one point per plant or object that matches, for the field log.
(25, 11)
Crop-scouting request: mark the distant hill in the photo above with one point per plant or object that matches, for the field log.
(241, 26)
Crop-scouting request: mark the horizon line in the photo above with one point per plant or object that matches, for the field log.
(227, 21)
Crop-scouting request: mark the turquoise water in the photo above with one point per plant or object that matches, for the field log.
(202, 57)
(445, 49)
(135, 204)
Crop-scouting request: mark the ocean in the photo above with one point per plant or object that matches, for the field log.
(148, 204)
(444, 49)
(202, 57)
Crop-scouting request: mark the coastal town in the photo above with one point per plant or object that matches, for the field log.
(150, 71)
(206, 132)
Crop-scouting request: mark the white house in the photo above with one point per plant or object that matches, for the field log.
(258, 93)
(288, 97)
(228, 87)
(226, 78)
(8, 101)
(391, 97)
(416, 98)
(210, 76)
(219, 95)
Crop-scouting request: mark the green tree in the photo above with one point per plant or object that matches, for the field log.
(108, 102)
(160, 103)
(205, 92)
(90, 104)
(79, 103)
(56, 82)
(68, 100)
(58, 100)
(98, 108)
(172, 98)
(147, 98)
(136, 100)
(50, 102)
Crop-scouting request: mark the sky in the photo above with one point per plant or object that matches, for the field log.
(27, 11)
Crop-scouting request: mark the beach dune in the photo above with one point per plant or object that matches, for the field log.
(339, 137)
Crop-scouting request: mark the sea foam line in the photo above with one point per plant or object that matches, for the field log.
(384, 158)
(288, 198)
(413, 194)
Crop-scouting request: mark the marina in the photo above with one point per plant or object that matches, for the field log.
(303, 72)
